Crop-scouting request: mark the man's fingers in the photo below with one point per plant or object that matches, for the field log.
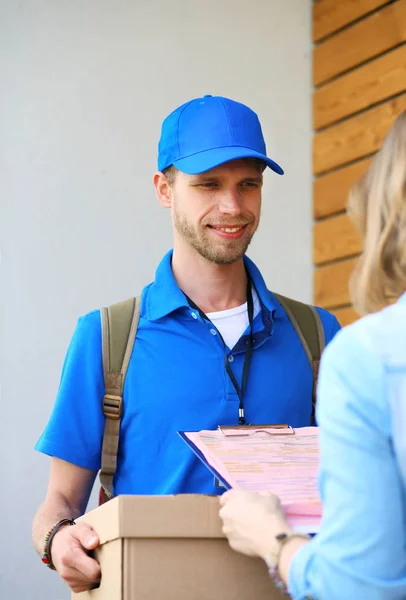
(79, 571)
(76, 580)
(87, 536)
(88, 567)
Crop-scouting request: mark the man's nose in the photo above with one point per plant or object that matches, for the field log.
(230, 203)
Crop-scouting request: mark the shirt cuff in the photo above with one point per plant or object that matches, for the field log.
(70, 455)
(297, 584)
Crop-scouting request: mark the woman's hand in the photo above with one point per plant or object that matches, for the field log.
(251, 521)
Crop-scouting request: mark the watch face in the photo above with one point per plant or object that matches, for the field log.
(273, 557)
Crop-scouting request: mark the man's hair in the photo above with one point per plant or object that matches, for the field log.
(377, 205)
(170, 172)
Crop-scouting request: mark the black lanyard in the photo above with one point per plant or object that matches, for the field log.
(248, 355)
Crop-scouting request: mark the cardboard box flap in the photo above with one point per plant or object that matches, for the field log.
(178, 516)
(105, 520)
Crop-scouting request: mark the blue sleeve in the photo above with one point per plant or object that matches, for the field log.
(331, 325)
(75, 428)
(360, 551)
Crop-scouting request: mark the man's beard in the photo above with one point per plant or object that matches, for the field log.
(226, 253)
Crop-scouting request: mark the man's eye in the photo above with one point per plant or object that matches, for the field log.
(249, 184)
(208, 185)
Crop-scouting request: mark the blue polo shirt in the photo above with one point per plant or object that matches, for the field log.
(177, 381)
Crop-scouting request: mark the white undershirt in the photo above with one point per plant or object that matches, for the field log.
(232, 322)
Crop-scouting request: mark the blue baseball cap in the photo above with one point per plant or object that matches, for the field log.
(210, 131)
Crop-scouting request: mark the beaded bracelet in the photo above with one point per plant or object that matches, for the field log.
(46, 553)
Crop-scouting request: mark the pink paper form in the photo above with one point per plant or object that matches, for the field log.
(286, 465)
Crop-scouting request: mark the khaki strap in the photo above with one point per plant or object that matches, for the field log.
(119, 329)
(316, 359)
(307, 323)
(320, 330)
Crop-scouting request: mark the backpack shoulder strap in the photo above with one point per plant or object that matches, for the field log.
(119, 329)
(307, 323)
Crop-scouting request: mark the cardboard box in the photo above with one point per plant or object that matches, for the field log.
(171, 548)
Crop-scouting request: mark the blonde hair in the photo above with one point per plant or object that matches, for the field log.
(377, 205)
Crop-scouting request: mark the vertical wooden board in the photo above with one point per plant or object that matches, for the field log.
(346, 315)
(364, 40)
(369, 84)
(330, 192)
(331, 284)
(356, 137)
(335, 238)
(330, 15)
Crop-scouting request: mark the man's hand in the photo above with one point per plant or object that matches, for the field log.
(69, 551)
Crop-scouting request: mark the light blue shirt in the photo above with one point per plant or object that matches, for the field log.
(360, 552)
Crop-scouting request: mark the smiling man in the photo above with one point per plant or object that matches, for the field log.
(214, 346)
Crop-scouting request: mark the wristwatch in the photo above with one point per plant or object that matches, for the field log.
(272, 559)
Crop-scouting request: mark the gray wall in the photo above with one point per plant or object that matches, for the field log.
(84, 86)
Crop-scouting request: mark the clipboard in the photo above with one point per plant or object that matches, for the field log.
(219, 481)
(249, 430)
(253, 469)
(275, 429)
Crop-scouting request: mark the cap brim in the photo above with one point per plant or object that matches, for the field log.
(210, 159)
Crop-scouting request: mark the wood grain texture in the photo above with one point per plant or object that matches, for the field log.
(345, 316)
(377, 33)
(330, 15)
(331, 284)
(335, 238)
(369, 84)
(330, 192)
(356, 137)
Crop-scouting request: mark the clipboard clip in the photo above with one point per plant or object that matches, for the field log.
(249, 430)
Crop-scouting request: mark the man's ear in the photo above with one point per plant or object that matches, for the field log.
(163, 189)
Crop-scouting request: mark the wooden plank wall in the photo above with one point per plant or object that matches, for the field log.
(359, 78)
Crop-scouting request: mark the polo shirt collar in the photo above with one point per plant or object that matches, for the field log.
(265, 296)
(164, 295)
